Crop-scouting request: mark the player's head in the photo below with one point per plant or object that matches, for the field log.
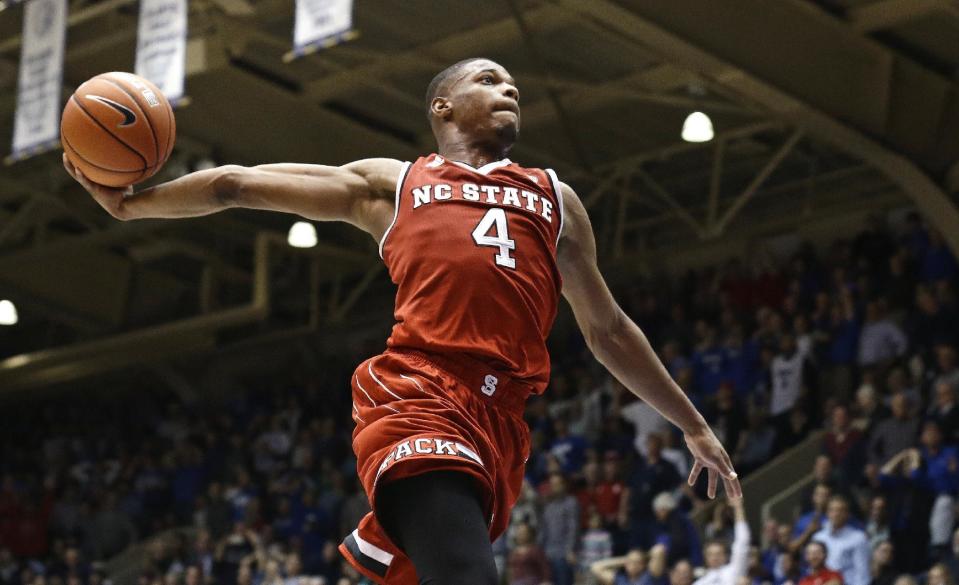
(476, 99)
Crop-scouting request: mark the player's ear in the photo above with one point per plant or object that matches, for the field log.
(441, 107)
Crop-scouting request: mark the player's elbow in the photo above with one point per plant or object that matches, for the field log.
(604, 335)
(230, 185)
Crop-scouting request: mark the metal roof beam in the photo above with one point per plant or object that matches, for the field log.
(696, 49)
(493, 34)
(889, 13)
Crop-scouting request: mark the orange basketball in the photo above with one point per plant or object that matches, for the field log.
(117, 129)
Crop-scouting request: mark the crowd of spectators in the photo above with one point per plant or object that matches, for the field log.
(859, 338)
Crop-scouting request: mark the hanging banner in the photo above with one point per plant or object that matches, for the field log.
(161, 45)
(320, 24)
(36, 125)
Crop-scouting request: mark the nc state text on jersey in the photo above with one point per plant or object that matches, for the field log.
(491, 194)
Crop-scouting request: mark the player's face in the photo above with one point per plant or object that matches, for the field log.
(486, 102)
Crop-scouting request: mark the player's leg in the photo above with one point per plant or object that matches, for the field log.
(437, 520)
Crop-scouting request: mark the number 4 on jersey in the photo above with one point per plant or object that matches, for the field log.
(496, 217)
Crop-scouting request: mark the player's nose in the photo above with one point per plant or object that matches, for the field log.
(511, 92)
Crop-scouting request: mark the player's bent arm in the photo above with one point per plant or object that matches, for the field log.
(620, 345)
(360, 192)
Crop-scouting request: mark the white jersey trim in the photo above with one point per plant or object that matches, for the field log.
(396, 209)
(371, 550)
(558, 190)
(485, 169)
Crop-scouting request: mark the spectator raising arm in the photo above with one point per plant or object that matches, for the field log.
(736, 568)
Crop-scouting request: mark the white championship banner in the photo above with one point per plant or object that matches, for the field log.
(161, 45)
(320, 24)
(36, 125)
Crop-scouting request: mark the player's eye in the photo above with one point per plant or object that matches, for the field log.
(487, 79)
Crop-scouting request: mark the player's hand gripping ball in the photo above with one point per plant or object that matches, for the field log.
(117, 129)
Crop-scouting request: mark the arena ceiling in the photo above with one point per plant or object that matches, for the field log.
(818, 105)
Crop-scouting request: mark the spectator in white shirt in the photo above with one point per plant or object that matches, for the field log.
(881, 339)
(724, 568)
(848, 547)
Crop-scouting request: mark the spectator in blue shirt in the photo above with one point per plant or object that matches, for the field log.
(938, 262)
(708, 362)
(740, 362)
(848, 547)
(569, 449)
(938, 472)
(672, 529)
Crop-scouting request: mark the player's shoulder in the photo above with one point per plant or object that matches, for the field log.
(381, 174)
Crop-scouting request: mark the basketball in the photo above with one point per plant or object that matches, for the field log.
(117, 129)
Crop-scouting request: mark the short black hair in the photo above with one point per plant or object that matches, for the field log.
(441, 81)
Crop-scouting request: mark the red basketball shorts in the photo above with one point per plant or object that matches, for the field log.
(416, 413)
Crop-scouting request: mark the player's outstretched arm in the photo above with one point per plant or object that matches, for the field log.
(360, 192)
(619, 344)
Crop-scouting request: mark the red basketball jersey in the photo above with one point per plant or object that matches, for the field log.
(473, 254)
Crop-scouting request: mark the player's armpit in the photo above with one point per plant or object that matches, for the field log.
(360, 193)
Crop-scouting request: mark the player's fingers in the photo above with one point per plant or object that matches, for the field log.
(733, 489)
(694, 473)
(68, 166)
(713, 483)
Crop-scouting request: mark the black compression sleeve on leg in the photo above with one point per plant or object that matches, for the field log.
(437, 520)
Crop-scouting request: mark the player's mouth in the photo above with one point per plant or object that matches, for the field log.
(507, 107)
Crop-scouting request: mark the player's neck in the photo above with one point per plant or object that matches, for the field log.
(473, 154)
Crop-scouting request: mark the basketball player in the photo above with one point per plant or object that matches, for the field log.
(480, 249)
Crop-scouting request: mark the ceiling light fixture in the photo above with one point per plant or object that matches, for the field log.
(302, 235)
(697, 128)
(8, 313)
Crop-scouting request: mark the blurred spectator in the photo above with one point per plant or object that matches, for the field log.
(944, 409)
(895, 433)
(707, 360)
(726, 415)
(628, 570)
(724, 567)
(844, 445)
(682, 574)
(657, 568)
(756, 444)
(931, 324)
(868, 411)
(812, 522)
(881, 566)
(818, 572)
(527, 561)
(645, 419)
(877, 526)
(938, 263)
(595, 544)
(939, 575)
(847, 547)
(881, 339)
(673, 529)
(791, 372)
(938, 472)
(569, 450)
(560, 530)
(651, 476)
